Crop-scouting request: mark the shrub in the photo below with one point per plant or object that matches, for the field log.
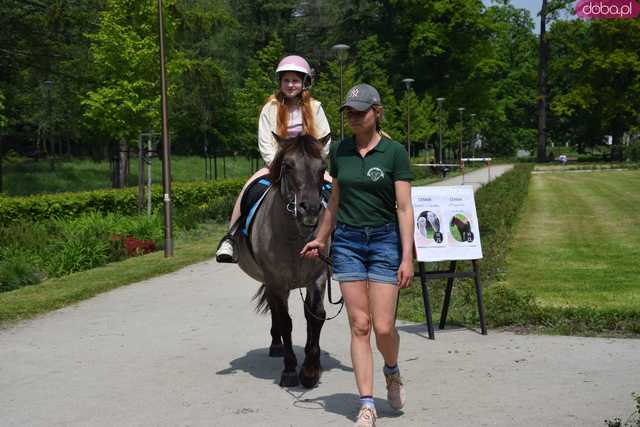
(124, 201)
(17, 270)
(30, 251)
(498, 205)
(217, 210)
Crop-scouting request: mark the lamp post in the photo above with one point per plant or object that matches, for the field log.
(407, 83)
(461, 110)
(440, 101)
(473, 134)
(166, 148)
(341, 51)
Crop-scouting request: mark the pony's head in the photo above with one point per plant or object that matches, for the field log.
(298, 169)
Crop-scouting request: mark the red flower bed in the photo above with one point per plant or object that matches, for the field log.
(133, 246)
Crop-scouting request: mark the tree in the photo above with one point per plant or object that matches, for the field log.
(423, 119)
(548, 12)
(124, 54)
(259, 83)
(596, 78)
(202, 109)
(511, 103)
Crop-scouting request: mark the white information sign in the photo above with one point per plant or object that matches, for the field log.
(446, 223)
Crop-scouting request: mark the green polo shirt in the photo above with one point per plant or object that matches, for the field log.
(367, 190)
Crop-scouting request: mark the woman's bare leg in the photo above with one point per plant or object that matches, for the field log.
(356, 300)
(382, 305)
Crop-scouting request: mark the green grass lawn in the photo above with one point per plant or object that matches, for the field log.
(30, 177)
(578, 244)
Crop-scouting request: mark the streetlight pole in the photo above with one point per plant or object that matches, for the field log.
(473, 135)
(407, 82)
(341, 50)
(166, 148)
(440, 101)
(461, 110)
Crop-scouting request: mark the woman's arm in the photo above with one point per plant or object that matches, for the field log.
(405, 222)
(326, 225)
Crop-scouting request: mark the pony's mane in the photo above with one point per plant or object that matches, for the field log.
(304, 144)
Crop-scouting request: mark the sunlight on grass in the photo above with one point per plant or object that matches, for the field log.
(578, 244)
(35, 177)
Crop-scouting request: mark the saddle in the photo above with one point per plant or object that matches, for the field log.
(254, 195)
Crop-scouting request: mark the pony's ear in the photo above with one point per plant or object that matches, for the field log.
(325, 139)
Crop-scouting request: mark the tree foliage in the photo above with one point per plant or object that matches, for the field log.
(102, 59)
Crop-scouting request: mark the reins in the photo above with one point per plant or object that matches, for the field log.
(329, 264)
(292, 207)
(327, 261)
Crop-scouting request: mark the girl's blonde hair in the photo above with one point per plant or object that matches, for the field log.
(304, 101)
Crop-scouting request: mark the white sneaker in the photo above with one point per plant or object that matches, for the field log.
(366, 417)
(225, 251)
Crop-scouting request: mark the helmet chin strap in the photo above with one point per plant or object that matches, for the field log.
(307, 81)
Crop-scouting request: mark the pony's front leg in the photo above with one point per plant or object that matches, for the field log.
(315, 315)
(280, 310)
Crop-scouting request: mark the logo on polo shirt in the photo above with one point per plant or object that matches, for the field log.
(375, 174)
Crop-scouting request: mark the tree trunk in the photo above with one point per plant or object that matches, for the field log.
(122, 167)
(543, 54)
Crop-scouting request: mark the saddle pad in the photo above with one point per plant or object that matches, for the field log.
(254, 195)
(250, 202)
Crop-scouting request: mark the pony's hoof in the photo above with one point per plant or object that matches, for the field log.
(309, 377)
(289, 379)
(276, 350)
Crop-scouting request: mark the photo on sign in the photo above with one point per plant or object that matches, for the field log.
(428, 225)
(460, 228)
(446, 223)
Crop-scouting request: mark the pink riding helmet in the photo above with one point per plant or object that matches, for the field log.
(295, 63)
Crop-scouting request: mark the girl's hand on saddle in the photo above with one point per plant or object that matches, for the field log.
(312, 249)
(405, 274)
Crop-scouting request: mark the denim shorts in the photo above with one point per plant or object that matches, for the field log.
(366, 253)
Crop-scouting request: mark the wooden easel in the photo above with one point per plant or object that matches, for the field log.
(451, 274)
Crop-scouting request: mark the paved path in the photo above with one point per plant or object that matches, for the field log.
(187, 349)
(478, 177)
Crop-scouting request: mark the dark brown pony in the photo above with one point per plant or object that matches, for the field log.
(286, 220)
(464, 228)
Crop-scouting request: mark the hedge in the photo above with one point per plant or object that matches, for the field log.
(120, 201)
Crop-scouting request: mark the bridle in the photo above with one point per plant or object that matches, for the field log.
(291, 202)
(291, 206)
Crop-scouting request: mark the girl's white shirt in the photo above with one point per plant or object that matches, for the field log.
(268, 123)
(294, 123)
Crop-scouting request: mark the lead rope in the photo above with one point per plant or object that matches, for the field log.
(327, 261)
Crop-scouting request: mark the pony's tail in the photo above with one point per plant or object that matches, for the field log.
(262, 307)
